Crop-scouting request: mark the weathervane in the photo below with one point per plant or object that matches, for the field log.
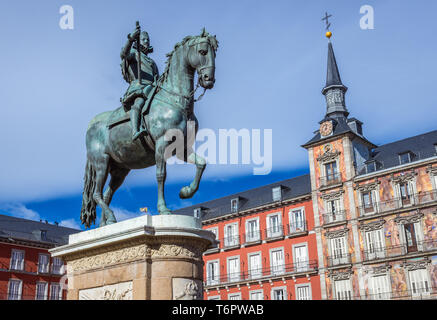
(328, 24)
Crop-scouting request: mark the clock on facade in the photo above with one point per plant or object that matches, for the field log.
(326, 128)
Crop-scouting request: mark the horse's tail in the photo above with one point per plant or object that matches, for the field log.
(88, 211)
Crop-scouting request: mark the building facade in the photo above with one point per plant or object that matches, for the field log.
(27, 271)
(361, 225)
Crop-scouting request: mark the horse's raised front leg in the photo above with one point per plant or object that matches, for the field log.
(101, 166)
(161, 173)
(188, 191)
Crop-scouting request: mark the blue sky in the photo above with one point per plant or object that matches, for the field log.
(271, 67)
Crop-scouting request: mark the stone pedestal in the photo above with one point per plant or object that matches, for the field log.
(145, 258)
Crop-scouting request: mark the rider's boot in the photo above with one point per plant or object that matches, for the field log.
(135, 121)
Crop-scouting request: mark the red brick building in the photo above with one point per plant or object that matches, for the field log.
(27, 272)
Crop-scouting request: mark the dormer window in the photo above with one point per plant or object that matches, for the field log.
(197, 212)
(371, 167)
(405, 157)
(43, 235)
(234, 205)
(277, 193)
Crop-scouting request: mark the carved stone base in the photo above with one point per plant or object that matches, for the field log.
(145, 258)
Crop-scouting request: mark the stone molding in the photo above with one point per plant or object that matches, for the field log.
(431, 169)
(332, 195)
(403, 177)
(416, 265)
(328, 156)
(376, 225)
(341, 275)
(336, 233)
(367, 187)
(380, 270)
(409, 219)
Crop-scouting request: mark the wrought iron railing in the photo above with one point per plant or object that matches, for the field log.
(398, 203)
(330, 179)
(297, 227)
(422, 293)
(259, 273)
(274, 232)
(332, 217)
(230, 241)
(398, 250)
(252, 236)
(339, 259)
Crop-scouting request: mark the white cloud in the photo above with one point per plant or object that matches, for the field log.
(70, 223)
(19, 210)
(123, 214)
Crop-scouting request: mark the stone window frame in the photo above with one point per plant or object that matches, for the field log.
(341, 276)
(52, 286)
(246, 224)
(253, 253)
(274, 189)
(20, 288)
(256, 291)
(337, 234)
(236, 234)
(300, 244)
(46, 291)
(22, 267)
(432, 172)
(417, 219)
(235, 294)
(329, 156)
(216, 233)
(239, 266)
(332, 196)
(374, 188)
(269, 227)
(284, 290)
(271, 259)
(381, 271)
(297, 286)
(39, 263)
(291, 220)
(409, 177)
(369, 227)
(216, 282)
(417, 265)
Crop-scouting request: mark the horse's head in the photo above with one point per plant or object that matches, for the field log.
(201, 57)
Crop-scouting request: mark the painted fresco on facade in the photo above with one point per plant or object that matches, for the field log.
(398, 280)
(433, 272)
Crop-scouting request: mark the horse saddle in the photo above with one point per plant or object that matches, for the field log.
(119, 116)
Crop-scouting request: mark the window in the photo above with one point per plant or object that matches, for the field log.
(277, 261)
(279, 293)
(405, 157)
(375, 244)
(255, 270)
(297, 220)
(419, 282)
(41, 291)
(197, 212)
(301, 258)
(274, 228)
(343, 290)
(234, 269)
(234, 205)
(43, 263)
(371, 167)
(303, 292)
(276, 193)
(234, 296)
(331, 171)
(14, 289)
(231, 235)
(55, 291)
(212, 273)
(368, 202)
(252, 230)
(334, 212)
(338, 251)
(410, 237)
(256, 295)
(405, 193)
(17, 259)
(214, 298)
(380, 287)
(57, 266)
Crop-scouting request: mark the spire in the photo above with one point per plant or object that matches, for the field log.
(334, 90)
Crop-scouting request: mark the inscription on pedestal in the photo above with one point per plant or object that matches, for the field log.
(119, 291)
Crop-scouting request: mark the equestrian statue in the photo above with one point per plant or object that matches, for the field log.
(133, 136)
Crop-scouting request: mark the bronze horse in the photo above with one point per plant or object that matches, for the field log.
(110, 150)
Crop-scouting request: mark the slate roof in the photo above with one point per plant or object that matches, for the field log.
(292, 188)
(20, 229)
(421, 146)
(332, 75)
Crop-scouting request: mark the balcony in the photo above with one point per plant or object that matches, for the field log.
(252, 237)
(426, 293)
(274, 233)
(297, 229)
(421, 198)
(338, 216)
(389, 252)
(330, 180)
(294, 269)
(339, 260)
(231, 242)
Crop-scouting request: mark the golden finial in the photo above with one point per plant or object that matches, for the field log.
(329, 34)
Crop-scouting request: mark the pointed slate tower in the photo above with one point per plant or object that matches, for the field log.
(334, 90)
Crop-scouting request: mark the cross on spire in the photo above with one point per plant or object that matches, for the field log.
(326, 19)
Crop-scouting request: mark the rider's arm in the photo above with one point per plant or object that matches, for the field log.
(126, 49)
